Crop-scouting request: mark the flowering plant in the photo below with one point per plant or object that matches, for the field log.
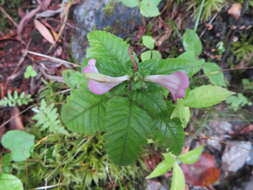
(131, 101)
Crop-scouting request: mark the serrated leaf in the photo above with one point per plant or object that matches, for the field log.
(10, 182)
(192, 156)
(191, 42)
(181, 112)
(178, 180)
(206, 96)
(148, 41)
(47, 118)
(214, 74)
(19, 143)
(150, 100)
(84, 112)
(169, 134)
(163, 166)
(149, 8)
(127, 127)
(191, 65)
(130, 3)
(110, 52)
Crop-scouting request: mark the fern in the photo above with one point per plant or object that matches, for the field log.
(15, 99)
(47, 118)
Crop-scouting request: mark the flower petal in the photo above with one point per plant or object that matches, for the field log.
(99, 83)
(91, 67)
(176, 83)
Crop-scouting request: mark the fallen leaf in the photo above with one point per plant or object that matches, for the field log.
(247, 129)
(202, 173)
(44, 31)
(235, 10)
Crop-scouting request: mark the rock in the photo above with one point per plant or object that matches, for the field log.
(250, 157)
(102, 15)
(235, 155)
(155, 185)
(218, 131)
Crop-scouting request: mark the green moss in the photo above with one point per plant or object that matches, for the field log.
(109, 8)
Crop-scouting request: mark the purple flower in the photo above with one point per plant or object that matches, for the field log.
(99, 83)
(176, 83)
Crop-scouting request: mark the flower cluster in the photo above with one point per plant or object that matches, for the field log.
(176, 82)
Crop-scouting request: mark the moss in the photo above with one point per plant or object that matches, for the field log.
(109, 8)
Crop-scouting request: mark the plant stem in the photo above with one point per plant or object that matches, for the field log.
(199, 15)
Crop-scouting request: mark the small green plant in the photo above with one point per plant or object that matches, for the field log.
(172, 162)
(47, 118)
(247, 84)
(15, 99)
(148, 8)
(30, 72)
(149, 43)
(126, 98)
(19, 143)
(207, 7)
(238, 101)
(10, 182)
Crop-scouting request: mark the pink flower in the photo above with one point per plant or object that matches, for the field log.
(176, 83)
(99, 83)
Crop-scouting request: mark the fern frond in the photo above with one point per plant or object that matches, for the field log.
(47, 118)
(16, 99)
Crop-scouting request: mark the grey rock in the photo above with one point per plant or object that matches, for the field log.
(235, 155)
(250, 157)
(103, 15)
(155, 185)
(218, 131)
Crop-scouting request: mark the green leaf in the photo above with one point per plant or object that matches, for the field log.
(151, 54)
(47, 118)
(182, 113)
(146, 55)
(191, 42)
(10, 182)
(178, 180)
(30, 72)
(149, 8)
(169, 134)
(191, 63)
(127, 127)
(214, 74)
(156, 55)
(192, 156)
(73, 78)
(110, 52)
(19, 143)
(84, 112)
(236, 102)
(206, 96)
(130, 3)
(148, 41)
(151, 99)
(163, 166)
(187, 63)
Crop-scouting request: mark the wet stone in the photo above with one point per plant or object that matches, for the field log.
(102, 15)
